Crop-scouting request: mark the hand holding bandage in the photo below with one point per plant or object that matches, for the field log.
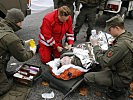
(28, 41)
(32, 46)
(68, 46)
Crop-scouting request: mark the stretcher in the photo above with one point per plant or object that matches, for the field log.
(87, 60)
(66, 87)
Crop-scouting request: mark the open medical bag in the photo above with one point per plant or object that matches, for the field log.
(27, 74)
(24, 77)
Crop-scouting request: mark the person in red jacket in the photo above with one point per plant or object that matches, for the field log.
(54, 26)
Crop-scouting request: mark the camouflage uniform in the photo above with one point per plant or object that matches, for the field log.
(56, 4)
(69, 3)
(10, 45)
(116, 63)
(88, 11)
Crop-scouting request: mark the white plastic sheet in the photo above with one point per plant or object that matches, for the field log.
(104, 39)
(40, 5)
(48, 95)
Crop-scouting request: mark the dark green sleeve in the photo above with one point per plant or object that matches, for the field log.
(56, 4)
(77, 4)
(112, 56)
(16, 48)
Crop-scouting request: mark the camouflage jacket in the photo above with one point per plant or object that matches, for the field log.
(119, 58)
(59, 3)
(10, 44)
(95, 3)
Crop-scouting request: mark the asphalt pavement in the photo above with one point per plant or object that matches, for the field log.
(31, 28)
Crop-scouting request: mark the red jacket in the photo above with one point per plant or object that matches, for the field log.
(53, 30)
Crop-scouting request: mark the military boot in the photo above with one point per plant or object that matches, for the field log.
(37, 49)
(87, 38)
(75, 36)
(114, 94)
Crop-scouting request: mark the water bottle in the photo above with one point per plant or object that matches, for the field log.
(102, 40)
(93, 34)
(93, 37)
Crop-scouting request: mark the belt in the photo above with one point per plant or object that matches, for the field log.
(90, 5)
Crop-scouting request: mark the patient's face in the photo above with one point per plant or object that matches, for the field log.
(66, 60)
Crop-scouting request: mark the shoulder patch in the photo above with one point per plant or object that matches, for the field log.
(109, 54)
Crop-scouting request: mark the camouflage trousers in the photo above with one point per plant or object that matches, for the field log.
(5, 84)
(88, 15)
(104, 78)
(10, 90)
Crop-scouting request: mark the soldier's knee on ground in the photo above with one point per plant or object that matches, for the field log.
(5, 86)
(117, 93)
(17, 92)
(89, 77)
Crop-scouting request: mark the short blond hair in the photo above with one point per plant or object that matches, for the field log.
(64, 11)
